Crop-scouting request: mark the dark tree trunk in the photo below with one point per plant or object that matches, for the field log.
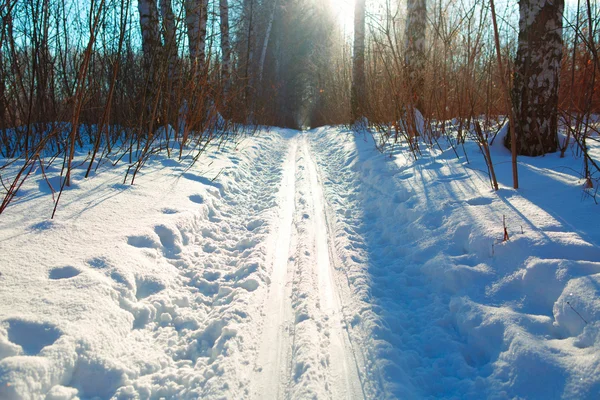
(536, 78)
(225, 46)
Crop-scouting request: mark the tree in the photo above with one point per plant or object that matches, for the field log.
(358, 62)
(169, 34)
(225, 46)
(536, 77)
(416, 11)
(196, 16)
(150, 32)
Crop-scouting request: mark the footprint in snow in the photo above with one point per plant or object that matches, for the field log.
(144, 241)
(63, 272)
(196, 198)
(32, 336)
(146, 287)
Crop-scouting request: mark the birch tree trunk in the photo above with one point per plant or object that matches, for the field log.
(225, 46)
(202, 36)
(196, 17)
(263, 54)
(169, 35)
(415, 49)
(149, 26)
(358, 62)
(536, 77)
(151, 44)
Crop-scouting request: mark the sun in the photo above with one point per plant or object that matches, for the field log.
(343, 10)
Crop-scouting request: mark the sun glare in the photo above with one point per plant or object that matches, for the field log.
(344, 14)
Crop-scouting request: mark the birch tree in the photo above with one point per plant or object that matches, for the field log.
(149, 27)
(536, 77)
(358, 62)
(169, 34)
(416, 11)
(196, 17)
(248, 32)
(263, 54)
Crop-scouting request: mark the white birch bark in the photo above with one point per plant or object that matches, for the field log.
(151, 43)
(263, 54)
(536, 77)
(202, 33)
(196, 17)
(415, 59)
(149, 26)
(192, 21)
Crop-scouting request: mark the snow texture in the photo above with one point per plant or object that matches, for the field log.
(303, 265)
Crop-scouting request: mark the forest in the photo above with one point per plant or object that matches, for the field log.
(107, 66)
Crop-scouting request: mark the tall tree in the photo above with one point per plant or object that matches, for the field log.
(358, 62)
(196, 17)
(169, 34)
(248, 52)
(225, 46)
(261, 64)
(536, 77)
(149, 26)
(415, 49)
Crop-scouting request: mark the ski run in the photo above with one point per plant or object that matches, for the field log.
(296, 265)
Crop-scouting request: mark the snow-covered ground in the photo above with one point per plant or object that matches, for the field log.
(303, 265)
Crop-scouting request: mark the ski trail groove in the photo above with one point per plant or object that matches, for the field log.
(274, 353)
(305, 346)
(345, 371)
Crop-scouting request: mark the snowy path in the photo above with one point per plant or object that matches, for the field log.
(305, 349)
(301, 265)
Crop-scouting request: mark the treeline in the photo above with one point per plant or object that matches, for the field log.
(200, 67)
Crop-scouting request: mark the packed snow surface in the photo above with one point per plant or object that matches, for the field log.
(303, 265)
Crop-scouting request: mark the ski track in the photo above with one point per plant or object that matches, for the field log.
(220, 258)
(306, 349)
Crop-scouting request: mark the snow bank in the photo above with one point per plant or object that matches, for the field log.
(141, 291)
(444, 307)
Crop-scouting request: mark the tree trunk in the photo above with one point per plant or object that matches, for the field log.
(202, 37)
(149, 25)
(358, 62)
(536, 77)
(196, 17)
(225, 46)
(249, 51)
(263, 54)
(415, 50)
(169, 34)
(150, 37)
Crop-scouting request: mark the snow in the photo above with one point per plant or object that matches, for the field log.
(303, 264)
